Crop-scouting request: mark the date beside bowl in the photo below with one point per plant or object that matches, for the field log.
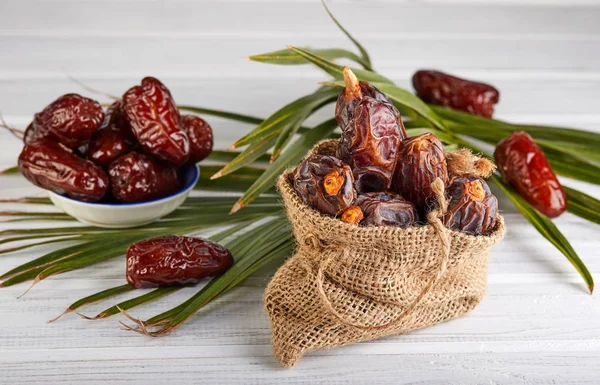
(124, 215)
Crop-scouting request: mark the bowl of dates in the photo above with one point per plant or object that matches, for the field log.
(123, 166)
(111, 213)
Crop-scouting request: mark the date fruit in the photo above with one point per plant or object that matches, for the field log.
(352, 94)
(371, 131)
(106, 146)
(419, 162)
(200, 135)
(325, 183)
(49, 165)
(525, 167)
(156, 122)
(175, 260)
(472, 208)
(138, 177)
(460, 94)
(115, 118)
(70, 119)
(386, 209)
(353, 215)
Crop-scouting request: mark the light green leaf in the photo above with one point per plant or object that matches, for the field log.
(289, 57)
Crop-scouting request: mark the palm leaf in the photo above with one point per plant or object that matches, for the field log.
(583, 205)
(361, 49)
(548, 230)
(289, 57)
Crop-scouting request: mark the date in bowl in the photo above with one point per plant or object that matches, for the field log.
(123, 215)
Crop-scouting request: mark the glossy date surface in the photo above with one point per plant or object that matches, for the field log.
(525, 167)
(369, 145)
(137, 177)
(175, 260)
(420, 161)
(200, 135)
(49, 165)
(156, 122)
(325, 183)
(71, 120)
(436, 87)
(106, 146)
(472, 208)
(386, 209)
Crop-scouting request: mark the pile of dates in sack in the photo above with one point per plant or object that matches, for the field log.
(393, 233)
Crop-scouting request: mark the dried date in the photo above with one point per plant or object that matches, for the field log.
(138, 177)
(71, 120)
(175, 260)
(371, 132)
(325, 183)
(106, 146)
(472, 208)
(420, 161)
(525, 167)
(386, 209)
(115, 118)
(353, 215)
(156, 122)
(450, 91)
(49, 165)
(200, 135)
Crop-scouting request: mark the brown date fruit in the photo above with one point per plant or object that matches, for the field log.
(156, 122)
(200, 135)
(460, 94)
(525, 167)
(419, 162)
(49, 165)
(472, 208)
(325, 183)
(71, 120)
(370, 137)
(386, 209)
(352, 215)
(352, 94)
(138, 177)
(175, 260)
(106, 146)
(115, 118)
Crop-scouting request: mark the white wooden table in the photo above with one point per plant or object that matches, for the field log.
(536, 325)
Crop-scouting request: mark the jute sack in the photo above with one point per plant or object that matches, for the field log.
(348, 284)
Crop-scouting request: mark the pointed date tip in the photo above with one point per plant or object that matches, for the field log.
(352, 84)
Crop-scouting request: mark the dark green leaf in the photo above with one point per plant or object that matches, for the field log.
(95, 298)
(288, 57)
(548, 230)
(361, 49)
(583, 205)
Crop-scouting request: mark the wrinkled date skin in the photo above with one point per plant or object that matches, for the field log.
(70, 119)
(175, 260)
(156, 122)
(138, 177)
(106, 146)
(369, 145)
(525, 167)
(200, 135)
(49, 165)
(472, 208)
(420, 161)
(449, 91)
(115, 118)
(386, 209)
(325, 183)
(371, 131)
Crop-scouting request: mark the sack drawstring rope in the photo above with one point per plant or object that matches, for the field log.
(434, 220)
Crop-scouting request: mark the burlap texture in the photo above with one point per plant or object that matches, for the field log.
(348, 284)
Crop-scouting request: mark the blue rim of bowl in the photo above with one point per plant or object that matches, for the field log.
(185, 171)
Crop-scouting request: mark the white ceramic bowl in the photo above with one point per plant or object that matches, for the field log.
(123, 215)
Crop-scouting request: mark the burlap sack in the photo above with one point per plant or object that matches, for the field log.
(348, 284)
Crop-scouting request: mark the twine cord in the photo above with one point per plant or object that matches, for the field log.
(434, 220)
